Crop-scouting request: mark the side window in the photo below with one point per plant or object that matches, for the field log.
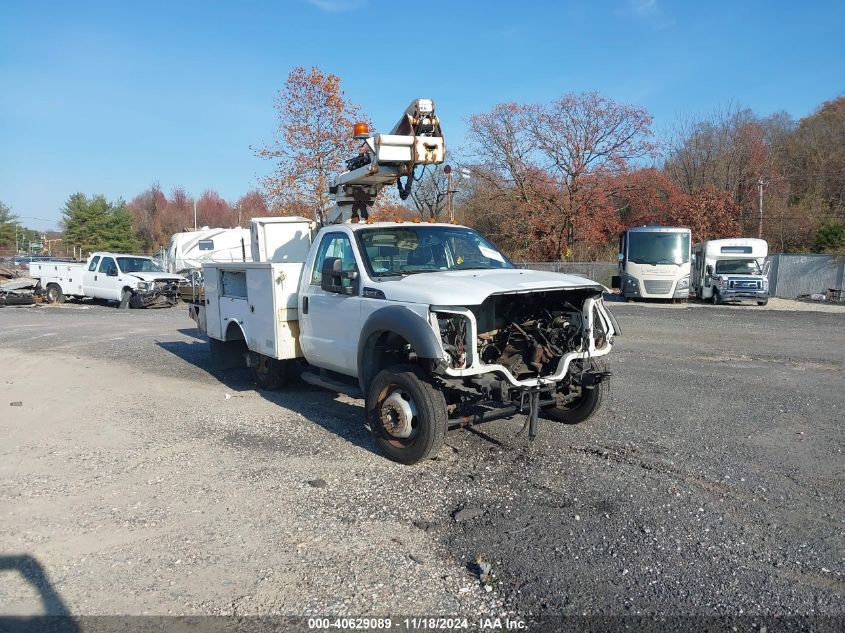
(107, 265)
(334, 245)
(205, 245)
(93, 265)
(233, 283)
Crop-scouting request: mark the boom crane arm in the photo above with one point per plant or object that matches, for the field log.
(384, 159)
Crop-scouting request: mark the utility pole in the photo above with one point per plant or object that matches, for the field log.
(448, 171)
(195, 214)
(760, 184)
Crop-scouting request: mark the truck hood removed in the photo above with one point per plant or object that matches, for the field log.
(472, 287)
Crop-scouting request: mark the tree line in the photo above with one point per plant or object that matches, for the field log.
(548, 181)
(560, 180)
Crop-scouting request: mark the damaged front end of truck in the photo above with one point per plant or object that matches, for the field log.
(537, 352)
(155, 293)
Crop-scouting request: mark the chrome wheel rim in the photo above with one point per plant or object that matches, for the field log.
(398, 415)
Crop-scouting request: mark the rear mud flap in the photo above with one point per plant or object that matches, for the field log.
(227, 354)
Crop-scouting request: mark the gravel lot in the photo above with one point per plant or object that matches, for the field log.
(712, 482)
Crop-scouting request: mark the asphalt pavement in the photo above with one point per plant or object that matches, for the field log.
(711, 483)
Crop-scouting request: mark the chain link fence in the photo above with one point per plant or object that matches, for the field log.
(792, 276)
(601, 272)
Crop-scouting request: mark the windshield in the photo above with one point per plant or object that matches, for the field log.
(738, 267)
(658, 248)
(406, 250)
(138, 265)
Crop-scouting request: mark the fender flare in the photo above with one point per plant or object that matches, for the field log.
(238, 326)
(397, 320)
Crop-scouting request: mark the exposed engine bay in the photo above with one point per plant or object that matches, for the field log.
(525, 333)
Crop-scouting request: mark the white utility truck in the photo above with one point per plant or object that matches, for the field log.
(428, 322)
(133, 280)
(654, 262)
(731, 270)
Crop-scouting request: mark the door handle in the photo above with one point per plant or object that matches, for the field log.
(304, 305)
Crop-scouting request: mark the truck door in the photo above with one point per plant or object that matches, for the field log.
(330, 320)
(104, 281)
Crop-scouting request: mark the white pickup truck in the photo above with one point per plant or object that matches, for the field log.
(428, 322)
(134, 281)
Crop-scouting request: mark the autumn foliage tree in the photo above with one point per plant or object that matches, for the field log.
(147, 209)
(313, 138)
(550, 166)
(251, 205)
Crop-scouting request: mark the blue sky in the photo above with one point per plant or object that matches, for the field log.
(109, 97)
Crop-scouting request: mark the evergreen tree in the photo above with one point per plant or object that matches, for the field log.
(96, 224)
(8, 220)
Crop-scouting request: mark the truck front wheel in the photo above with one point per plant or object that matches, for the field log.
(407, 414)
(586, 403)
(125, 298)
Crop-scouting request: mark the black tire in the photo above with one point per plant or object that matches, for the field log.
(125, 298)
(412, 432)
(270, 373)
(762, 303)
(136, 302)
(583, 407)
(55, 294)
(16, 300)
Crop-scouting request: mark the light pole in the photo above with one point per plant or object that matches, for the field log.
(463, 174)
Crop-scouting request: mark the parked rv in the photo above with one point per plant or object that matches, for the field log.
(191, 249)
(731, 270)
(654, 263)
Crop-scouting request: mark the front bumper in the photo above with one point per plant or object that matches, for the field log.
(739, 294)
(161, 293)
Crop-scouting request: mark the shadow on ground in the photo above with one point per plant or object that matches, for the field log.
(340, 417)
(56, 616)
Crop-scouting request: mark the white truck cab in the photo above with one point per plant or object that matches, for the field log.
(133, 280)
(731, 270)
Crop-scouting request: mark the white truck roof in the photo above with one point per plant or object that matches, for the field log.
(733, 248)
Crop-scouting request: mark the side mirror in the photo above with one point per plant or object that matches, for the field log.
(112, 273)
(621, 257)
(333, 276)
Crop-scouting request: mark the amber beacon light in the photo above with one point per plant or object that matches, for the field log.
(361, 130)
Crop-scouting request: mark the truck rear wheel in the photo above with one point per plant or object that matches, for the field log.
(270, 374)
(407, 414)
(585, 405)
(55, 294)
